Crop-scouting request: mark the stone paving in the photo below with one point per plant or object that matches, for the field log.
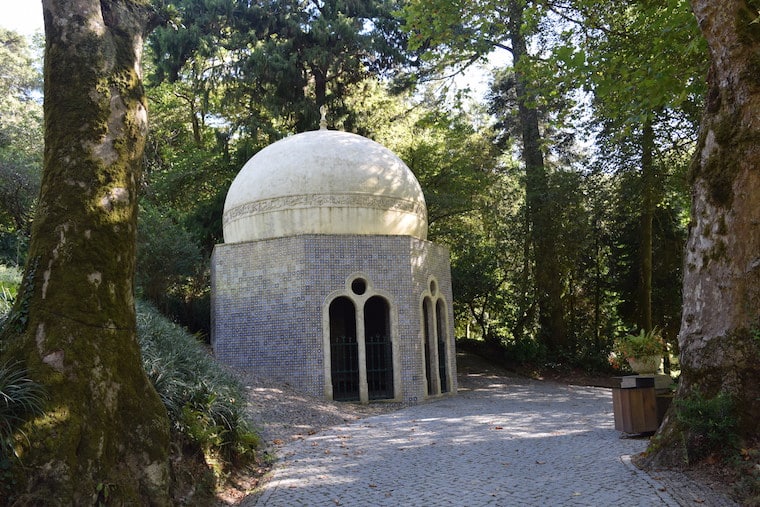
(511, 442)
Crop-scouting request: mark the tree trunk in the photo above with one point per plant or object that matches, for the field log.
(526, 300)
(105, 430)
(548, 279)
(720, 329)
(597, 285)
(647, 219)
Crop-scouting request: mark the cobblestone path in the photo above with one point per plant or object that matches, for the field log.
(510, 442)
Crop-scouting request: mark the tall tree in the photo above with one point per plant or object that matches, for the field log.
(20, 143)
(465, 211)
(286, 58)
(553, 326)
(720, 329)
(458, 33)
(642, 63)
(105, 430)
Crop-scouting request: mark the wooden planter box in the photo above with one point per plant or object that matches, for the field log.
(635, 409)
(640, 403)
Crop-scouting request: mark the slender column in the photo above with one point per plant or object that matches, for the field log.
(362, 347)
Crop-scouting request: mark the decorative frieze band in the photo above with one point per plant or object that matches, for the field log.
(304, 201)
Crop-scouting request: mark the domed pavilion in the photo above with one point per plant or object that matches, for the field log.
(326, 281)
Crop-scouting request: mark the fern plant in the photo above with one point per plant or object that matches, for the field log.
(20, 399)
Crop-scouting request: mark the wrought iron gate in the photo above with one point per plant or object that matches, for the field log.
(440, 328)
(344, 360)
(379, 367)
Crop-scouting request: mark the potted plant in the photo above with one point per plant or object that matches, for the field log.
(642, 351)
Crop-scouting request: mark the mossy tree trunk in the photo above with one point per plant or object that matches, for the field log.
(720, 327)
(105, 430)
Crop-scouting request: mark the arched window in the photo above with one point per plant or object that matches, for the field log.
(344, 350)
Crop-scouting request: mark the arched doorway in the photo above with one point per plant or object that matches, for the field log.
(440, 320)
(379, 349)
(361, 353)
(344, 350)
(435, 341)
(427, 328)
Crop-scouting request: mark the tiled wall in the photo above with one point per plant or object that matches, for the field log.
(268, 298)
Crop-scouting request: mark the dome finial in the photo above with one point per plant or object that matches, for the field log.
(323, 120)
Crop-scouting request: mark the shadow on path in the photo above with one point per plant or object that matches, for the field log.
(503, 441)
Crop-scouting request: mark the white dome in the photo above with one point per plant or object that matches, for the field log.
(324, 182)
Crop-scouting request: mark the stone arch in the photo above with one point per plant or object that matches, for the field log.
(344, 350)
(428, 339)
(436, 349)
(443, 345)
(377, 345)
(379, 348)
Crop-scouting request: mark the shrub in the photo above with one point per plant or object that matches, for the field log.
(20, 399)
(710, 424)
(205, 403)
(10, 279)
(167, 255)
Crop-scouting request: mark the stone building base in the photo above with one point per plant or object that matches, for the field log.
(280, 306)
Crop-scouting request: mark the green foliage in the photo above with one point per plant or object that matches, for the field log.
(635, 58)
(20, 144)
(189, 164)
(755, 333)
(10, 279)
(171, 270)
(206, 404)
(20, 399)
(670, 227)
(17, 320)
(710, 424)
(644, 344)
(526, 350)
(642, 64)
(456, 33)
(276, 65)
(167, 256)
(20, 80)
(102, 493)
(6, 302)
